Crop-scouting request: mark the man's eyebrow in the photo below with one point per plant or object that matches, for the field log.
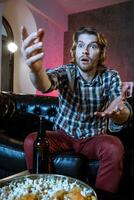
(80, 41)
(89, 43)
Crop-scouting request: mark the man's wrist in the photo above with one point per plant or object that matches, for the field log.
(124, 115)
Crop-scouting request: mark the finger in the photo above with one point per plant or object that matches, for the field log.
(107, 114)
(99, 114)
(116, 111)
(29, 40)
(24, 33)
(34, 49)
(41, 34)
(125, 91)
(35, 58)
(120, 108)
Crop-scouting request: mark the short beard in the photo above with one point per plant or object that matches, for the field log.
(86, 69)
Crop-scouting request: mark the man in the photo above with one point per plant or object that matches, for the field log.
(89, 95)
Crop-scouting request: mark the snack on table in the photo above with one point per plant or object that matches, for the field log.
(46, 187)
(73, 194)
(29, 197)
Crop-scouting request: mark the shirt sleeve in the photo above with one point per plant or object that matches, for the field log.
(115, 86)
(56, 76)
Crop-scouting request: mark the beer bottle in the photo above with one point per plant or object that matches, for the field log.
(41, 151)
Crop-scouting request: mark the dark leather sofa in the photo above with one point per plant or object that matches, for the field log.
(19, 116)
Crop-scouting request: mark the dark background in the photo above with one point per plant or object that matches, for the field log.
(117, 24)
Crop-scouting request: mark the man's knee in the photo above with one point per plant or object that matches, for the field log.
(28, 148)
(29, 140)
(113, 147)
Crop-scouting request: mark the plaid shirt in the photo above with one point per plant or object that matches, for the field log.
(77, 107)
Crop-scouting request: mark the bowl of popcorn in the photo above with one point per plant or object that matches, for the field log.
(46, 187)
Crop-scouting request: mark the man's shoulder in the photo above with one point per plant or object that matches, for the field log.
(108, 75)
(70, 66)
(110, 72)
(62, 67)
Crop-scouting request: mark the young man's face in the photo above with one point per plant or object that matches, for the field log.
(87, 52)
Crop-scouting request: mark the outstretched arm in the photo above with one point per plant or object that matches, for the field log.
(32, 51)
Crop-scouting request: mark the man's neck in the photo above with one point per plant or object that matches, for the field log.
(88, 76)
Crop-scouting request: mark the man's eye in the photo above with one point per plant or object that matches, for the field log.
(94, 46)
(80, 45)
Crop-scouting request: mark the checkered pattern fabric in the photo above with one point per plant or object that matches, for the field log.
(77, 107)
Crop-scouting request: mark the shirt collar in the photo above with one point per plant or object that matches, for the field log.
(97, 78)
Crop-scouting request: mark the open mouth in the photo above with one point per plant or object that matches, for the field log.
(85, 60)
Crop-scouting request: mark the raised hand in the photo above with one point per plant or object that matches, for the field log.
(32, 48)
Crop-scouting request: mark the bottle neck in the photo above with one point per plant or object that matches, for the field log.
(41, 131)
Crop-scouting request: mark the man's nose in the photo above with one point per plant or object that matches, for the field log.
(86, 50)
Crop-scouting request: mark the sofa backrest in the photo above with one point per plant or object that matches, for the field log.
(22, 112)
(44, 106)
(39, 105)
(19, 113)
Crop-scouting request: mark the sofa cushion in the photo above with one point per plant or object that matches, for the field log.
(12, 156)
(69, 164)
